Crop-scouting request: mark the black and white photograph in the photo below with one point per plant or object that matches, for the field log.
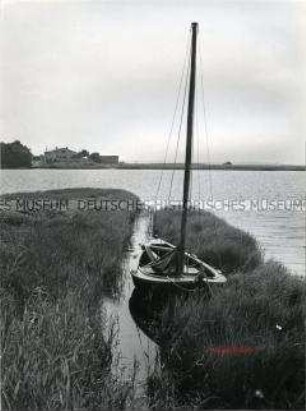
(152, 204)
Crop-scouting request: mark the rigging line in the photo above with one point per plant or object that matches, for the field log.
(193, 180)
(191, 187)
(174, 115)
(205, 124)
(178, 138)
(179, 130)
(199, 206)
(192, 168)
(198, 147)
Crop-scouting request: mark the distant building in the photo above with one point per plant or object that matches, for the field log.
(72, 158)
(59, 155)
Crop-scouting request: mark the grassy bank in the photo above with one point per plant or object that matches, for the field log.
(245, 347)
(212, 239)
(55, 267)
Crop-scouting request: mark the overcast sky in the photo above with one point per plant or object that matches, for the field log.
(104, 76)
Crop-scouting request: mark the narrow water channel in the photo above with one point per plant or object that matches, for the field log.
(133, 346)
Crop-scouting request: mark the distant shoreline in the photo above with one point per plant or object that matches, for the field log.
(242, 167)
(160, 166)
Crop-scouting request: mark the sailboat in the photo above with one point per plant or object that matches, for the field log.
(161, 264)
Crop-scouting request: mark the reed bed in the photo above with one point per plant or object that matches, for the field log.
(55, 268)
(211, 239)
(244, 347)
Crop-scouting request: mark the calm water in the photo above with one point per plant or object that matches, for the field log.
(264, 203)
(132, 343)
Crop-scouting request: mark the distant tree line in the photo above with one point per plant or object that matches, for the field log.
(15, 155)
(95, 157)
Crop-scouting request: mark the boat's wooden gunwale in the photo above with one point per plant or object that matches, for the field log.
(171, 279)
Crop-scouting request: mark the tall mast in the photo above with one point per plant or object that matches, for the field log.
(191, 98)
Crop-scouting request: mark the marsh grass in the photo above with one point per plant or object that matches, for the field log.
(55, 267)
(242, 348)
(211, 239)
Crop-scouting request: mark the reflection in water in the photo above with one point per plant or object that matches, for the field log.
(133, 346)
(153, 312)
(146, 310)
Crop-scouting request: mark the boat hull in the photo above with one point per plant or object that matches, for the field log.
(154, 270)
(147, 284)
